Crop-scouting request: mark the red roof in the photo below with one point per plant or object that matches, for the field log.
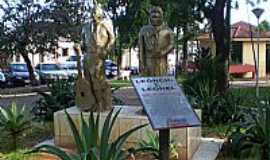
(241, 29)
(244, 30)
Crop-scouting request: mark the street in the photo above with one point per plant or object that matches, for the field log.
(127, 95)
(27, 100)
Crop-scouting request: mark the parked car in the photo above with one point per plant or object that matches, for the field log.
(2, 80)
(74, 58)
(18, 74)
(50, 72)
(111, 69)
(70, 68)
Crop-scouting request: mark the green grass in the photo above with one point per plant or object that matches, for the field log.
(251, 91)
(120, 83)
(249, 94)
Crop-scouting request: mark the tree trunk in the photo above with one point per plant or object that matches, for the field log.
(14, 141)
(185, 49)
(30, 69)
(119, 59)
(177, 53)
(222, 49)
(228, 37)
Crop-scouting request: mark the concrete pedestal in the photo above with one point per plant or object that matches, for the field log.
(187, 139)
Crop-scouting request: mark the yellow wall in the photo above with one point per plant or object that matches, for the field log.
(248, 57)
(247, 53)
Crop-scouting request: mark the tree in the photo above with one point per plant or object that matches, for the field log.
(183, 16)
(214, 11)
(219, 14)
(66, 17)
(264, 26)
(21, 33)
(27, 27)
(179, 15)
(127, 22)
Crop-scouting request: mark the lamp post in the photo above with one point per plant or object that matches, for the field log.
(258, 12)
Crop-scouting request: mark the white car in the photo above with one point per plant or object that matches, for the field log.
(70, 68)
(50, 72)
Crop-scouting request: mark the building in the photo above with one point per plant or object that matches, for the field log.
(59, 54)
(130, 58)
(242, 48)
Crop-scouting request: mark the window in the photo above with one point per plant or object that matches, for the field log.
(65, 51)
(19, 67)
(50, 67)
(237, 53)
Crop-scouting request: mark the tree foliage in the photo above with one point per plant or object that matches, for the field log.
(264, 26)
(29, 27)
(67, 18)
(21, 31)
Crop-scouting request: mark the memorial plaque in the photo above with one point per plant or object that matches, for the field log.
(165, 103)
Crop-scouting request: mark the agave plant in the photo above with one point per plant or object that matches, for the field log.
(151, 144)
(61, 96)
(14, 121)
(205, 98)
(90, 144)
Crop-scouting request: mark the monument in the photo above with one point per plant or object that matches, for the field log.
(93, 92)
(156, 41)
(162, 98)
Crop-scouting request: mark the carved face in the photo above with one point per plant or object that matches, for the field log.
(156, 17)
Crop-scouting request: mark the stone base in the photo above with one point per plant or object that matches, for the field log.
(187, 139)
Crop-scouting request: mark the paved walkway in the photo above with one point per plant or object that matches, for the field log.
(208, 149)
(262, 83)
(128, 96)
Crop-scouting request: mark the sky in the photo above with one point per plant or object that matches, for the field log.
(244, 13)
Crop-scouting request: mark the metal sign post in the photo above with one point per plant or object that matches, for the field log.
(164, 144)
(166, 107)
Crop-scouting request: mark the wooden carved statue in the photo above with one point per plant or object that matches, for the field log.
(156, 41)
(93, 92)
